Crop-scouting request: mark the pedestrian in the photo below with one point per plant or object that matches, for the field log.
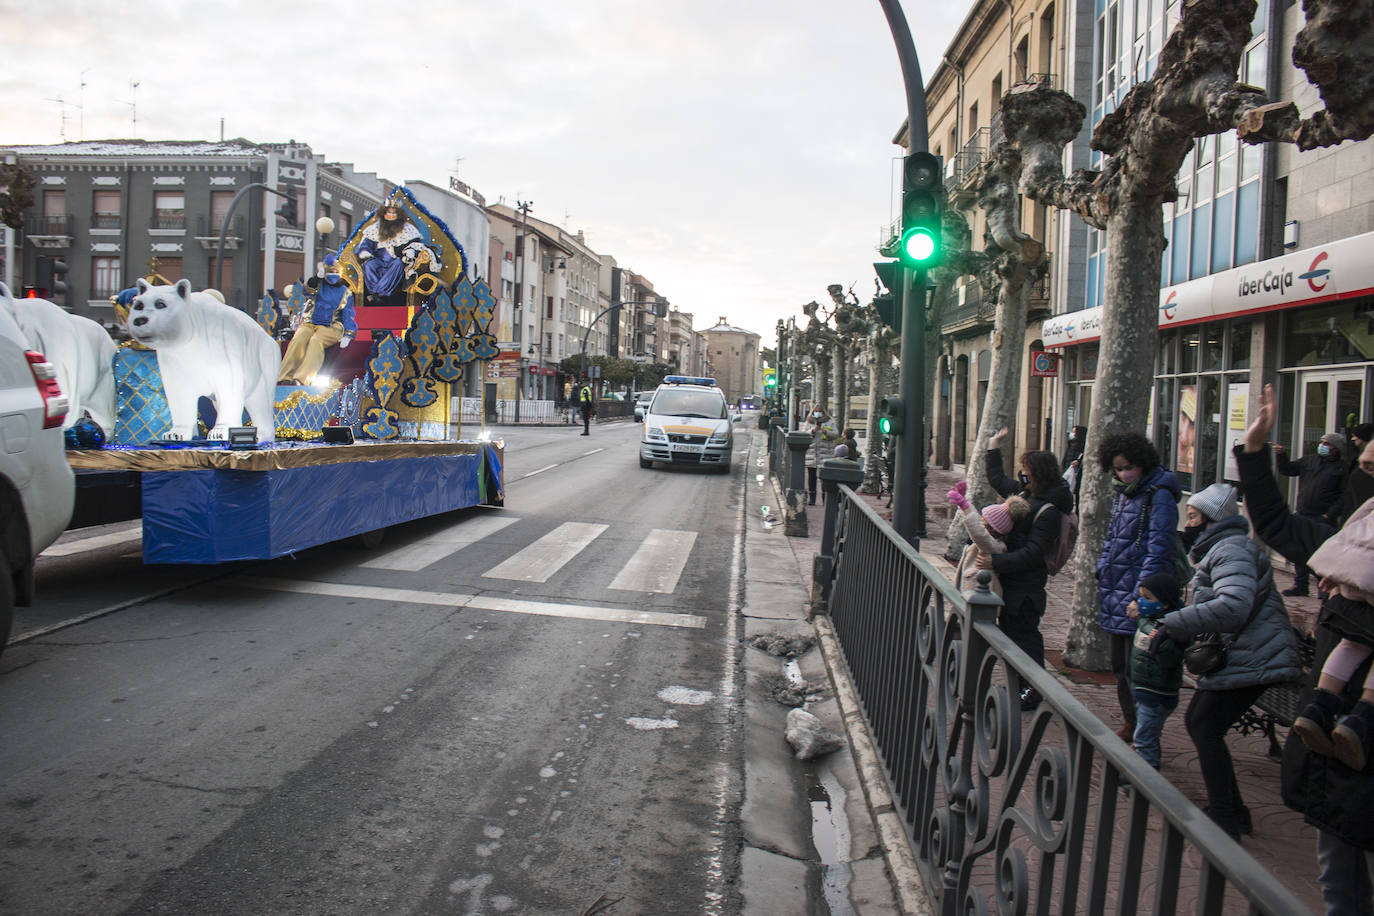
(1155, 679)
(1072, 464)
(1321, 481)
(1345, 561)
(1023, 566)
(850, 442)
(824, 437)
(1233, 593)
(985, 530)
(587, 404)
(1140, 542)
(1361, 434)
(1331, 797)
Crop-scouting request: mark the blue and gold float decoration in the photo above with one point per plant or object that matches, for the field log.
(422, 342)
(268, 314)
(141, 412)
(483, 342)
(300, 411)
(384, 369)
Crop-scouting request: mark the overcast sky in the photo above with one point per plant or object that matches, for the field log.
(738, 153)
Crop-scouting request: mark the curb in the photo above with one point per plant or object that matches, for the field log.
(912, 896)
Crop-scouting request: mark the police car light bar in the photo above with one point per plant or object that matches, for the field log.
(688, 380)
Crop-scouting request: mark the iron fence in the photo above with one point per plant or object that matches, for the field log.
(1006, 811)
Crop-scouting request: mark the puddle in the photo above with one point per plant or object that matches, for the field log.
(830, 835)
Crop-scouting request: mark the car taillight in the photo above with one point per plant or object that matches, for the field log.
(55, 403)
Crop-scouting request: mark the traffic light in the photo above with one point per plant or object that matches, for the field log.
(887, 304)
(58, 286)
(43, 277)
(893, 419)
(770, 380)
(288, 209)
(923, 196)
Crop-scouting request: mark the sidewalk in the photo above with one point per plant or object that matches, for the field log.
(1281, 842)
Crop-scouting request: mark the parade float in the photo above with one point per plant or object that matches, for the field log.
(228, 452)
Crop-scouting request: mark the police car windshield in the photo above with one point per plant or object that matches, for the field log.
(685, 402)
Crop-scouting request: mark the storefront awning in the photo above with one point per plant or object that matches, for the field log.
(1343, 269)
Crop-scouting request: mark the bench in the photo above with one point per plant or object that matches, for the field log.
(1280, 704)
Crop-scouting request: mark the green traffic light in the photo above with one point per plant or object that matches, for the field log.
(918, 246)
(885, 426)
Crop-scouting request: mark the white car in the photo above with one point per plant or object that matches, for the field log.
(642, 401)
(37, 487)
(688, 422)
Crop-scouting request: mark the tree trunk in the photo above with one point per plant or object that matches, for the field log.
(881, 352)
(1121, 399)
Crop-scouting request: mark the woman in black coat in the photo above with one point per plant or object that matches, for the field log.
(1022, 569)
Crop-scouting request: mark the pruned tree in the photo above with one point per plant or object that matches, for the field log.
(881, 344)
(1193, 93)
(1007, 267)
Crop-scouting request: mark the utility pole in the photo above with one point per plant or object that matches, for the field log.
(908, 515)
(524, 207)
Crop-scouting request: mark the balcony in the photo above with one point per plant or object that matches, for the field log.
(168, 220)
(208, 235)
(106, 220)
(49, 232)
(959, 179)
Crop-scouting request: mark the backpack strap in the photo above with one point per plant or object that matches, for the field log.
(1145, 513)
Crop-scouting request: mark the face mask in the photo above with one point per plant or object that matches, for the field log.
(1025, 481)
(1149, 607)
(1191, 533)
(331, 278)
(1323, 450)
(1128, 476)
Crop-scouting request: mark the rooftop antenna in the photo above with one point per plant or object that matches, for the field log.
(221, 130)
(133, 106)
(81, 108)
(62, 106)
(457, 161)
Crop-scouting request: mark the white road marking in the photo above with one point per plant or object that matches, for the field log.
(658, 563)
(543, 558)
(592, 452)
(549, 467)
(478, 602)
(67, 548)
(434, 548)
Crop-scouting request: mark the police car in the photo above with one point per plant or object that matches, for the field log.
(688, 422)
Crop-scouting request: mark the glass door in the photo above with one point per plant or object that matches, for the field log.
(1328, 402)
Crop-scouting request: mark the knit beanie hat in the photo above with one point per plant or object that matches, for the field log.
(1335, 440)
(1216, 502)
(1164, 587)
(997, 518)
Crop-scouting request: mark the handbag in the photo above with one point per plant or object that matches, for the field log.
(1206, 654)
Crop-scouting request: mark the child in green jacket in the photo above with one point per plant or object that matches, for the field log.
(1155, 679)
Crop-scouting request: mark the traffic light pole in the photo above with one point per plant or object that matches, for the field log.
(908, 513)
(216, 277)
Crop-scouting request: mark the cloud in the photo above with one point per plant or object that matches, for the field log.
(739, 155)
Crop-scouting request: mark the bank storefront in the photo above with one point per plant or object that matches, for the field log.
(1304, 320)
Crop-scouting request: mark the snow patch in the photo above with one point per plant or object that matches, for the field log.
(547, 773)
(685, 696)
(647, 725)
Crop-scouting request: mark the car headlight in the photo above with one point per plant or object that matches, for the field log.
(719, 438)
(655, 434)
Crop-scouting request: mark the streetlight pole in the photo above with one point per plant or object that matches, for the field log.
(908, 514)
(217, 278)
(524, 207)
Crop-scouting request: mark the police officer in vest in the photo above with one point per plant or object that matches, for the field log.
(586, 405)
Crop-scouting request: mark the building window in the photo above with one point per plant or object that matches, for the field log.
(219, 209)
(105, 210)
(105, 274)
(169, 210)
(54, 213)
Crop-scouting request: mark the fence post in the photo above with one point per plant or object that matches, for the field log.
(795, 519)
(832, 472)
(777, 444)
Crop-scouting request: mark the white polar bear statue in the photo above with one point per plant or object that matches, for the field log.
(207, 349)
(80, 351)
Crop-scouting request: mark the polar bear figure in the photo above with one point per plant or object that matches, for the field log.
(206, 348)
(80, 351)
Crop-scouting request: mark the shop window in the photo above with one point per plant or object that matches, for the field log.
(1329, 334)
(1188, 351)
(1211, 348)
(1207, 431)
(1164, 419)
(1239, 358)
(1168, 353)
(1182, 237)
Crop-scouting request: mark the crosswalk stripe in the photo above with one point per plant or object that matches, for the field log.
(658, 563)
(477, 602)
(422, 553)
(543, 558)
(67, 548)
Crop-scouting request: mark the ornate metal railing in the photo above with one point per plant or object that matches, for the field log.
(1007, 811)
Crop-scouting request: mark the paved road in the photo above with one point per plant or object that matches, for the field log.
(514, 710)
